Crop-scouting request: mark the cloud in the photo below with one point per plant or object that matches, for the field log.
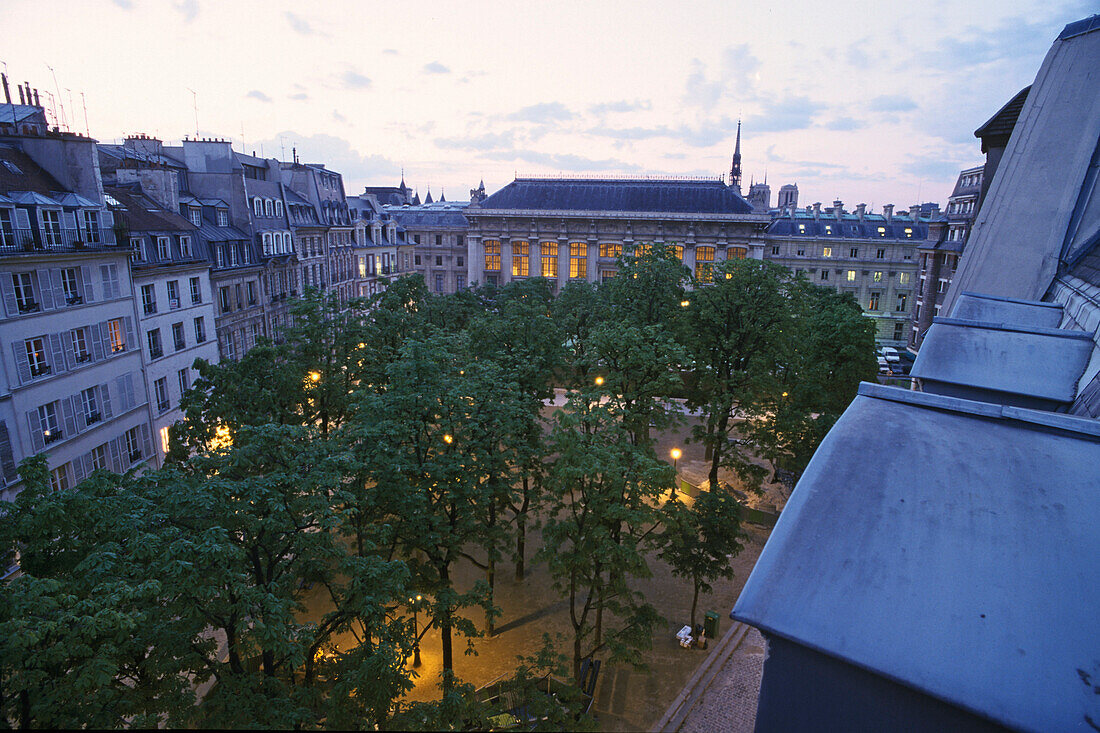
(546, 112)
(483, 142)
(299, 96)
(792, 113)
(336, 116)
(844, 124)
(338, 155)
(892, 103)
(436, 68)
(258, 95)
(702, 135)
(355, 80)
(124, 4)
(299, 24)
(735, 78)
(391, 52)
(621, 106)
(935, 168)
(187, 8)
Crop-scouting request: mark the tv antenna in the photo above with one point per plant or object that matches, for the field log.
(195, 105)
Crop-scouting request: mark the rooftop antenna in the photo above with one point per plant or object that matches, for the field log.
(87, 127)
(195, 106)
(62, 122)
(282, 149)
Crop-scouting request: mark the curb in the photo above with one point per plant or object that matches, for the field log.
(697, 686)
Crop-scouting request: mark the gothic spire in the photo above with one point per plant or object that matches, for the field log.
(735, 168)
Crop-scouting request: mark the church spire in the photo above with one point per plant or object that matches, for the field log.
(735, 168)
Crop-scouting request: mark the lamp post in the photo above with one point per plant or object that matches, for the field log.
(675, 453)
(415, 603)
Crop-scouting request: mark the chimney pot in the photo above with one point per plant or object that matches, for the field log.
(817, 210)
(888, 211)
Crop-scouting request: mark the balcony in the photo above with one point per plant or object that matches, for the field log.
(74, 300)
(40, 370)
(64, 240)
(92, 418)
(51, 436)
(28, 306)
(83, 357)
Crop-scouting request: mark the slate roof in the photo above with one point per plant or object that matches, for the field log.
(386, 194)
(849, 227)
(997, 129)
(13, 114)
(31, 176)
(673, 196)
(142, 214)
(973, 581)
(429, 217)
(212, 233)
(121, 152)
(991, 309)
(1028, 361)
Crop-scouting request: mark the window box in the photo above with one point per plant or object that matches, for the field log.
(51, 436)
(38, 371)
(29, 307)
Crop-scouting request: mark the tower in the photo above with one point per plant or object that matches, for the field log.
(735, 168)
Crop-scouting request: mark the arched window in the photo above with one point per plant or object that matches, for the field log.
(267, 244)
(269, 207)
(257, 206)
(278, 207)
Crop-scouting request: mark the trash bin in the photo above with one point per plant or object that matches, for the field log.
(710, 624)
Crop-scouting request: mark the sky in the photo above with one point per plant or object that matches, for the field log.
(870, 103)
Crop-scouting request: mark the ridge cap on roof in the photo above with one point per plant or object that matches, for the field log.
(1083, 426)
(999, 326)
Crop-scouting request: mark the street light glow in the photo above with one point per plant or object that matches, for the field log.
(685, 303)
(448, 438)
(676, 453)
(599, 381)
(315, 376)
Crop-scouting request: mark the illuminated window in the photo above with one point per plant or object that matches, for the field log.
(578, 259)
(164, 439)
(704, 263)
(900, 305)
(801, 228)
(828, 228)
(828, 252)
(878, 277)
(492, 254)
(903, 278)
(641, 248)
(851, 276)
(882, 231)
(521, 259)
(549, 259)
(679, 250)
(114, 334)
(736, 253)
(872, 304)
(908, 233)
(610, 250)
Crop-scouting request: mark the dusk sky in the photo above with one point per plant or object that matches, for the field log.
(873, 103)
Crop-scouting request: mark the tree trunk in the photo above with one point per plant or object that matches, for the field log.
(445, 635)
(491, 573)
(521, 530)
(694, 605)
(716, 458)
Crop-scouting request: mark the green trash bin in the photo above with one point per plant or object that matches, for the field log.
(710, 624)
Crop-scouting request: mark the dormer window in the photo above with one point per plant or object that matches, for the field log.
(882, 231)
(223, 217)
(269, 207)
(278, 207)
(164, 248)
(196, 215)
(258, 206)
(801, 228)
(7, 229)
(91, 227)
(51, 227)
(185, 247)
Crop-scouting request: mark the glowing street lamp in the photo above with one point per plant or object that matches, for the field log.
(599, 381)
(415, 603)
(675, 453)
(315, 377)
(448, 438)
(685, 303)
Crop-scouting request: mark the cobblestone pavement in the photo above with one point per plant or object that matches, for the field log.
(729, 704)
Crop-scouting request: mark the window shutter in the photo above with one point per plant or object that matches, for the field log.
(105, 401)
(70, 349)
(79, 472)
(129, 384)
(22, 219)
(69, 419)
(96, 338)
(120, 460)
(86, 277)
(57, 360)
(131, 339)
(22, 365)
(58, 288)
(34, 424)
(7, 287)
(107, 219)
(7, 460)
(105, 277)
(146, 441)
(68, 220)
(78, 413)
(124, 392)
(45, 291)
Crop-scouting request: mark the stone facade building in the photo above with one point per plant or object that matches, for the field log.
(871, 256)
(71, 384)
(438, 233)
(575, 229)
(939, 253)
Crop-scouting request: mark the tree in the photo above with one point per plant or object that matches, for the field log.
(699, 539)
(736, 332)
(604, 493)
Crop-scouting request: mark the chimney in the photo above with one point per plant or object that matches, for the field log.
(36, 102)
(914, 212)
(20, 88)
(817, 210)
(861, 209)
(888, 212)
(7, 92)
(838, 209)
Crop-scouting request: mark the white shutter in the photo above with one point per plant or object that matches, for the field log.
(58, 288)
(45, 289)
(105, 401)
(69, 418)
(7, 289)
(34, 424)
(86, 277)
(57, 354)
(22, 365)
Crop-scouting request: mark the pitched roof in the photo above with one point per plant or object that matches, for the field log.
(27, 176)
(991, 309)
(973, 581)
(997, 129)
(142, 214)
(673, 196)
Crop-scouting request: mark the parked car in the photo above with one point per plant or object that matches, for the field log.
(883, 365)
(890, 354)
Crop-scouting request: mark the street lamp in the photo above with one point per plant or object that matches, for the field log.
(675, 453)
(599, 381)
(448, 438)
(685, 303)
(415, 603)
(315, 376)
